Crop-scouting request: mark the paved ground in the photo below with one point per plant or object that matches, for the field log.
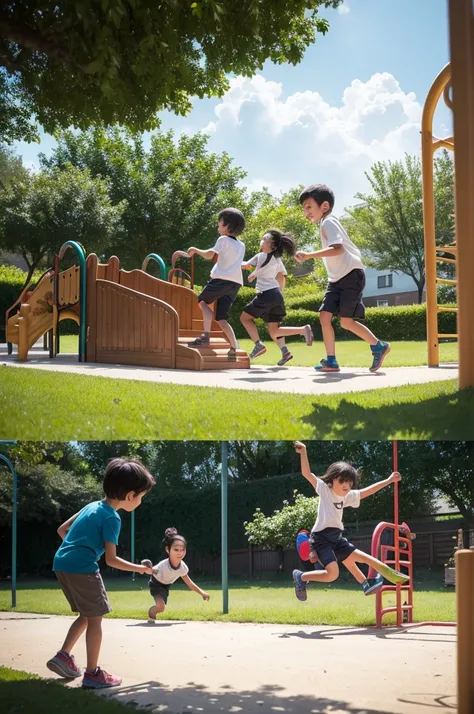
(178, 667)
(297, 380)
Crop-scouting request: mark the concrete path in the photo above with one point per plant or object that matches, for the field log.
(293, 380)
(178, 667)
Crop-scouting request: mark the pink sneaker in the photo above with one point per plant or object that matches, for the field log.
(99, 680)
(64, 665)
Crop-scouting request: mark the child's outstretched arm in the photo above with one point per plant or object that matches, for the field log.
(329, 252)
(192, 586)
(370, 490)
(305, 467)
(113, 561)
(207, 254)
(64, 527)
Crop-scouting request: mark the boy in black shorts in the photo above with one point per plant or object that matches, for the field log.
(346, 275)
(226, 277)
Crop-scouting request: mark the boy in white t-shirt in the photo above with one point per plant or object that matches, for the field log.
(328, 544)
(269, 303)
(226, 277)
(346, 279)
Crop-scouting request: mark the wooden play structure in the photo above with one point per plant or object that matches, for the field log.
(456, 83)
(124, 317)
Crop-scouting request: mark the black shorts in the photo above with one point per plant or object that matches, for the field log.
(269, 305)
(223, 293)
(344, 297)
(330, 546)
(158, 589)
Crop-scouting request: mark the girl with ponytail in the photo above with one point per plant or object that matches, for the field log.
(167, 571)
(269, 303)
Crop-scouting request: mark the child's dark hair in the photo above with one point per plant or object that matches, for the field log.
(320, 192)
(342, 471)
(125, 475)
(171, 536)
(282, 243)
(233, 219)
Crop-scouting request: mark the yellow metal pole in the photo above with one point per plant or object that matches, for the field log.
(427, 150)
(464, 560)
(461, 24)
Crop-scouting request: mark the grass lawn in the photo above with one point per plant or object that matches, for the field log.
(350, 353)
(27, 693)
(42, 405)
(342, 603)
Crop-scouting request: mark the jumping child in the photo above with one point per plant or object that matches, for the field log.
(269, 303)
(86, 536)
(226, 278)
(168, 571)
(335, 491)
(346, 279)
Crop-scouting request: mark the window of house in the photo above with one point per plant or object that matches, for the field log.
(382, 303)
(385, 281)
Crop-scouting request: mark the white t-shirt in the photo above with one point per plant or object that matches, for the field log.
(266, 276)
(350, 259)
(231, 253)
(331, 506)
(166, 574)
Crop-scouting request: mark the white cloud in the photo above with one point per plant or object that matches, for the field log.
(343, 9)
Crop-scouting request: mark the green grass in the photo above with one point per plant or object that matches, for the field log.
(342, 603)
(27, 693)
(41, 405)
(350, 353)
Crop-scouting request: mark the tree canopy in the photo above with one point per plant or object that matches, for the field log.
(121, 61)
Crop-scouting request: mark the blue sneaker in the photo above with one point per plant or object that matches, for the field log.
(370, 586)
(379, 352)
(300, 586)
(328, 365)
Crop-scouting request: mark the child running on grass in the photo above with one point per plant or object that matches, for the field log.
(226, 278)
(335, 491)
(269, 303)
(168, 571)
(346, 279)
(86, 536)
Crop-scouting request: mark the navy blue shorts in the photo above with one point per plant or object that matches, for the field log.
(158, 589)
(344, 296)
(221, 292)
(269, 305)
(330, 546)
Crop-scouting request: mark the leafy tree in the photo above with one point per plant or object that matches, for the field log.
(389, 222)
(16, 121)
(11, 167)
(121, 61)
(41, 212)
(279, 530)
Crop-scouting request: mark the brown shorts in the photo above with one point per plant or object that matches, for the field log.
(85, 592)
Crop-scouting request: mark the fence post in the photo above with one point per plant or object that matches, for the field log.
(250, 565)
(464, 560)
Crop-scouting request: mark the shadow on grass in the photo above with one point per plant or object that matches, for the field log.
(157, 623)
(449, 416)
(386, 633)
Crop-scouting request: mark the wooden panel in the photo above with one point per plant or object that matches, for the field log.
(133, 328)
(68, 286)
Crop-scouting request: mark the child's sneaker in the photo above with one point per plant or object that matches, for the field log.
(64, 665)
(394, 577)
(201, 341)
(370, 585)
(99, 680)
(300, 585)
(232, 355)
(258, 350)
(285, 357)
(328, 365)
(308, 335)
(379, 352)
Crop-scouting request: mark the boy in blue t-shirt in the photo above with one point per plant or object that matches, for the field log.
(86, 537)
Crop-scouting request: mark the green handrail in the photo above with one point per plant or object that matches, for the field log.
(14, 518)
(157, 259)
(82, 296)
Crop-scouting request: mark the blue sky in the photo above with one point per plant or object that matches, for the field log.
(356, 98)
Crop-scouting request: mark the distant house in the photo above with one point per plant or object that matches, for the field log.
(385, 289)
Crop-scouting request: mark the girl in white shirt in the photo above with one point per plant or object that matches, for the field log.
(269, 303)
(328, 544)
(167, 571)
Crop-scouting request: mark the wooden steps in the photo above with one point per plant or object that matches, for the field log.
(209, 358)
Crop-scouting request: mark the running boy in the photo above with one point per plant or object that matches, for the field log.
(269, 303)
(346, 279)
(86, 536)
(226, 277)
(167, 571)
(335, 491)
